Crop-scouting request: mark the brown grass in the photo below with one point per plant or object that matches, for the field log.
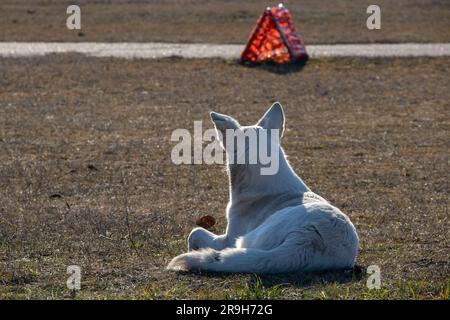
(319, 21)
(86, 176)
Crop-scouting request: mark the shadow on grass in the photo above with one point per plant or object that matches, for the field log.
(279, 68)
(307, 279)
(297, 279)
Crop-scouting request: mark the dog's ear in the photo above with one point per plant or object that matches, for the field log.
(273, 118)
(222, 123)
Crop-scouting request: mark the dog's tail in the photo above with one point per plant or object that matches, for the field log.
(240, 260)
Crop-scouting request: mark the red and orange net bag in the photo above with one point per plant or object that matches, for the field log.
(274, 39)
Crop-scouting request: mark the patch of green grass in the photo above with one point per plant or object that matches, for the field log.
(255, 291)
(400, 291)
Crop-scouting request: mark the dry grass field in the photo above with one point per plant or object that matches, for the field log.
(319, 21)
(86, 176)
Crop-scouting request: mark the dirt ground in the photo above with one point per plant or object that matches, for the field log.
(86, 176)
(319, 21)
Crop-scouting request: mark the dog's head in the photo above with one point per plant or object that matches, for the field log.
(254, 148)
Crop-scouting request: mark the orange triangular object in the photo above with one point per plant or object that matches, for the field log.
(274, 39)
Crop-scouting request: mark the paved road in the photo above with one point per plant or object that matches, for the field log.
(226, 51)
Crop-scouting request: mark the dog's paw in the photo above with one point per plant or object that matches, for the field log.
(194, 260)
(179, 264)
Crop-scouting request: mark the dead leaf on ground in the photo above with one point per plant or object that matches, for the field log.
(206, 222)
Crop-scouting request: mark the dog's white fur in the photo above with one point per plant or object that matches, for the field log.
(275, 223)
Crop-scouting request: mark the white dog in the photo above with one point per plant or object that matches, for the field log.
(275, 223)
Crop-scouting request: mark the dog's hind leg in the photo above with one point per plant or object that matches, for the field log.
(242, 260)
(287, 257)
